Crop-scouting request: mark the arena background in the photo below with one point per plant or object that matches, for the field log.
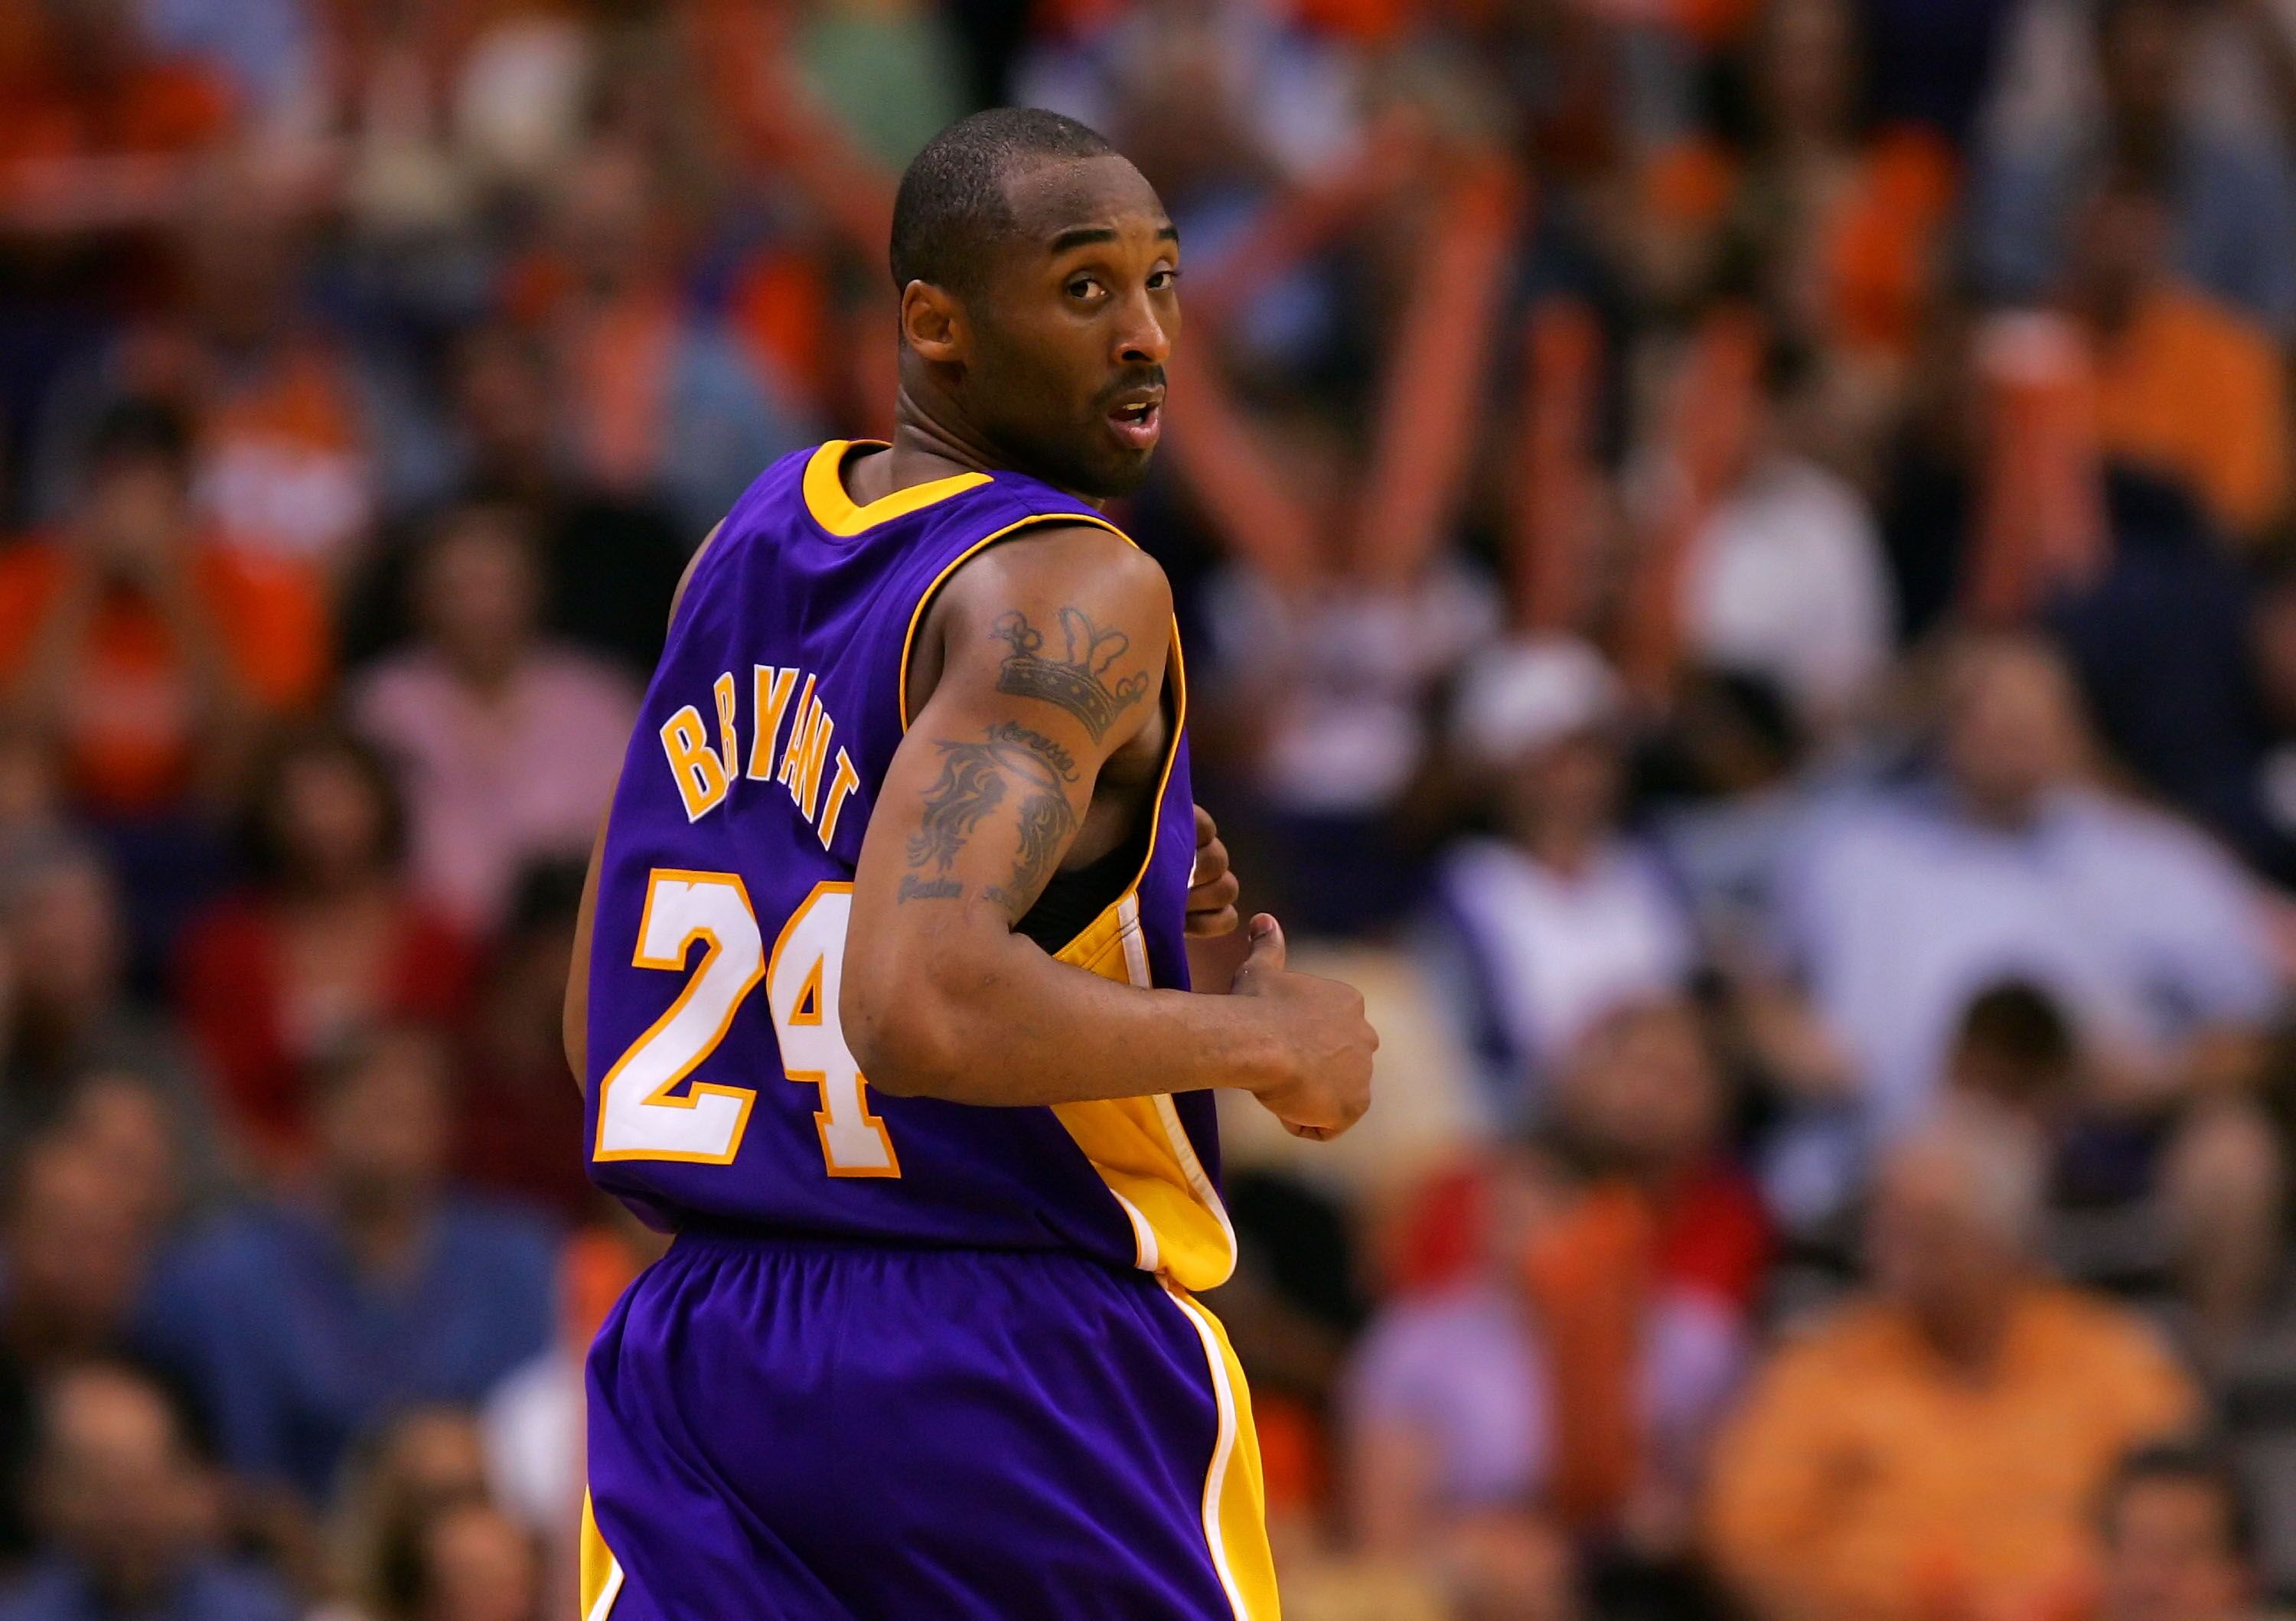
(1736, 564)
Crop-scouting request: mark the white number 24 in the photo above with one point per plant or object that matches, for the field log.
(638, 1119)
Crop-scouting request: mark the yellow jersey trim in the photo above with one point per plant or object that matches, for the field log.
(602, 1573)
(835, 510)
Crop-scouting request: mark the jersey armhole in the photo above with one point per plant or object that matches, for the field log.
(948, 572)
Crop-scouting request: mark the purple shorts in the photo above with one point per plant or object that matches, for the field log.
(802, 1430)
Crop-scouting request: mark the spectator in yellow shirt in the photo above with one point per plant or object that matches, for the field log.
(1933, 1452)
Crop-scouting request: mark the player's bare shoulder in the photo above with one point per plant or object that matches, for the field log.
(1071, 614)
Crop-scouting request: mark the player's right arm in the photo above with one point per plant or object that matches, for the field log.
(941, 998)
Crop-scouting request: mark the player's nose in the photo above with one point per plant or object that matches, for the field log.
(1143, 338)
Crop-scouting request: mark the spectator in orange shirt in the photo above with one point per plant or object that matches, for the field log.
(2179, 1539)
(1933, 1452)
(146, 652)
(2185, 386)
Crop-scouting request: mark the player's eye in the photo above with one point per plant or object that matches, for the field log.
(1163, 280)
(1083, 287)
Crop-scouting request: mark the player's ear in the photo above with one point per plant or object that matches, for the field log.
(932, 322)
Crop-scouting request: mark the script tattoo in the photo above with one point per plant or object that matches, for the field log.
(1059, 758)
(1078, 682)
(975, 780)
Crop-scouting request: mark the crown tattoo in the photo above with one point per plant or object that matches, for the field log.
(1078, 682)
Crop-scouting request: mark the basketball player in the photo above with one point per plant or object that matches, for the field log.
(881, 1000)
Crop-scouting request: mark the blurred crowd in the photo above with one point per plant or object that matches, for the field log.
(1739, 562)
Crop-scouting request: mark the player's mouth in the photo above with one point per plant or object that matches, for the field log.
(1138, 418)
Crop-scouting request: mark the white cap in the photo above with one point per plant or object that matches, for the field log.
(1526, 695)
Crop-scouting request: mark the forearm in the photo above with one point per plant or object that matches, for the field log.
(1001, 1023)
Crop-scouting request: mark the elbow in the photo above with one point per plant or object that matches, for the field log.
(906, 1041)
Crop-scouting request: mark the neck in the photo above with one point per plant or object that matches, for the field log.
(1567, 846)
(933, 440)
(486, 672)
(1968, 1339)
(2004, 814)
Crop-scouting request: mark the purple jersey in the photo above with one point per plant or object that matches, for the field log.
(721, 1093)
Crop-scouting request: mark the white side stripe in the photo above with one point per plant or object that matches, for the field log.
(1144, 1234)
(607, 1594)
(1223, 1450)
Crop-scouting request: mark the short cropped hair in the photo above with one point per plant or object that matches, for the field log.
(951, 206)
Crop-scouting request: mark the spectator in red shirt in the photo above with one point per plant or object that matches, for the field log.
(326, 938)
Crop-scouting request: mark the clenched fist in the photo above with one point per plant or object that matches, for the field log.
(1324, 1067)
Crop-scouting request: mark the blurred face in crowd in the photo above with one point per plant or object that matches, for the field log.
(1056, 357)
(2144, 52)
(119, 1122)
(1641, 1087)
(479, 1566)
(1938, 1249)
(117, 1488)
(136, 513)
(63, 924)
(477, 595)
(2169, 1554)
(2013, 729)
(501, 395)
(384, 1124)
(328, 818)
(1807, 72)
(431, 1457)
(1568, 789)
(605, 225)
(76, 1244)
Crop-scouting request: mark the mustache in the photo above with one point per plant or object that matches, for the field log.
(1152, 377)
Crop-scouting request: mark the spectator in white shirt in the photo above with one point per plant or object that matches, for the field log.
(2014, 864)
(1561, 917)
(1786, 579)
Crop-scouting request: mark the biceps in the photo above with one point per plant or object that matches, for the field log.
(978, 812)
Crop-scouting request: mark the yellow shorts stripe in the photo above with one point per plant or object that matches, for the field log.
(1236, 1497)
(602, 1572)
